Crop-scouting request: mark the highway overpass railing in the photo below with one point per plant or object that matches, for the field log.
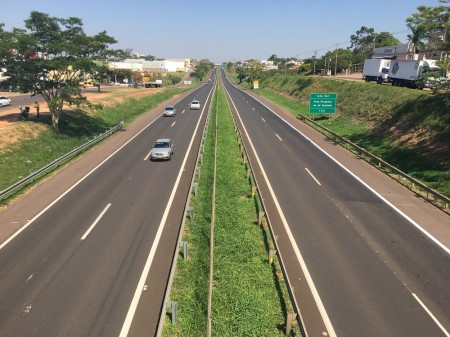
(415, 185)
(56, 163)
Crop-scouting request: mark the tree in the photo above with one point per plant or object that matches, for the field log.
(50, 57)
(385, 39)
(363, 41)
(202, 69)
(431, 25)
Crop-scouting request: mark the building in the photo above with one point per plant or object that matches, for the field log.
(175, 65)
(400, 52)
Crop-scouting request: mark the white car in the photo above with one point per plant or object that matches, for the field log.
(162, 149)
(4, 101)
(195, 105)
(170, 111)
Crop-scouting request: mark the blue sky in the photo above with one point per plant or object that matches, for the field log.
(226, 30)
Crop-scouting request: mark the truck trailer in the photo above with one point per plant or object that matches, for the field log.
(376, 70)
(409, 73)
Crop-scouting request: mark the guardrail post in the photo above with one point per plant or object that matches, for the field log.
(190, 211)
(195, 189)
(272, 253)
(199, 171)
(290, 319)
(184, 244)
(253, 190)
(260, 217)
(174, 307)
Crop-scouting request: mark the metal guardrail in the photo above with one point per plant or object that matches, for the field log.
(428, 193)
(57, 162)
(188, 212)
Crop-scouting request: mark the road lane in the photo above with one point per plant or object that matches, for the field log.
(363, 256)
(53, 283)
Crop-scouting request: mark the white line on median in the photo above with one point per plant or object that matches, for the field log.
(317, 181)
(95, 222)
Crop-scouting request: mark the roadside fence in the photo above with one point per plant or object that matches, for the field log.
(56, 163)
(415, 185)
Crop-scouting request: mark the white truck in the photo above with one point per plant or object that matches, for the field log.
(155, 84)
(408, 73)
(376, 70)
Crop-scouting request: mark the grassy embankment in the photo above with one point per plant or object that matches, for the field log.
(76, 128)
(410, 129)
(246, 296)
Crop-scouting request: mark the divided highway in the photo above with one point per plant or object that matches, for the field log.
(358, 268)
(95, 262)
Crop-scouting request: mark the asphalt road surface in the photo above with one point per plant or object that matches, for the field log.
(95, 260)
(358, 267)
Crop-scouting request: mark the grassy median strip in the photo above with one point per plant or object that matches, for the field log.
(76, 128)
(245, 296)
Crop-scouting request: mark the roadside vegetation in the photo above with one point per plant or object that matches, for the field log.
(246, 295)
(76, 127)
(410, 129)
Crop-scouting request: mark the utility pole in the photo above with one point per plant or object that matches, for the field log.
(335, 63)
(315, 58)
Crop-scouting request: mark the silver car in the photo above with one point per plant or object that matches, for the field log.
(170, 111)
(4, 101)
(162, 149)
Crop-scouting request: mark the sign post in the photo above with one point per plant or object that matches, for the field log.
(324, 103)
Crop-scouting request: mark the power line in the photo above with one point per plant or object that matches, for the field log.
(314, 51)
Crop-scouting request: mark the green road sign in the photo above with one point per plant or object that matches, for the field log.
(322, 103)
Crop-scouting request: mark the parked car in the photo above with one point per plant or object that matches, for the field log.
(4, 101)
(170, 111)
(162, 149)
(195, 105)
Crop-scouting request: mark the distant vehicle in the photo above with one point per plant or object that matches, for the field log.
(376, 70)
(170, 111)
(4, 101)
(162, 149)
(154, 84)
(195, 105)
(410, 73)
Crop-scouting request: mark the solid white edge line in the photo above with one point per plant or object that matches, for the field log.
(95, 222)
(431, 315)
(312, 175)
(137, 294)
(279, 137)
(415, 224)
(315, 293)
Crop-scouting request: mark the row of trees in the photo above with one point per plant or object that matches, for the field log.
(429, 28)
(202, 68)
(51, 56)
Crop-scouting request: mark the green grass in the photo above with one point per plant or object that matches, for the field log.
(246, 300)
(380, 118)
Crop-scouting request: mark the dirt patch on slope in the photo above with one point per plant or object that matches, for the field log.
(13, 131)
